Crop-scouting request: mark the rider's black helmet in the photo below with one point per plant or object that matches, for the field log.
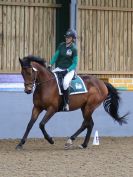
(71, 33)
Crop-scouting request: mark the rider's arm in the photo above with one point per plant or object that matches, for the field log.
(54, 58)
(74, 64)
(75, 60)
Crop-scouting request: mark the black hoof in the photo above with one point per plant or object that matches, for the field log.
(50, 140)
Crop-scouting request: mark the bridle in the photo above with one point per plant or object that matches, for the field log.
(34, 82)
(34, 78)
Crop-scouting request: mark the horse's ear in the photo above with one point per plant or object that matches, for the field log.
(45, 64)
(20, 61)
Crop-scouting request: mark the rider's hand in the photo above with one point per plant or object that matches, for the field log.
(49, 67)
(64, 72)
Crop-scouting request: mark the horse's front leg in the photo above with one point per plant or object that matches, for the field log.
(35, 113)
(50, 112)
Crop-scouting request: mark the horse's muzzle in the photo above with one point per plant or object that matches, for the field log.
(28, 91)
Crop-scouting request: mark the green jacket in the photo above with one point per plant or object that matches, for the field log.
(65, 57)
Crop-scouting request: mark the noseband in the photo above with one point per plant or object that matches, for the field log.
(33, 82)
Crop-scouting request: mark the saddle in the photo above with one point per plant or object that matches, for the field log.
(77, 85)
(60, 76)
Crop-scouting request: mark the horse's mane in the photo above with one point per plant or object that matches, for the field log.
(28, 59)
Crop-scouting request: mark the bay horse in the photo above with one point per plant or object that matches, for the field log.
(46, 97)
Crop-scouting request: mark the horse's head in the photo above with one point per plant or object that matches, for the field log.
(28, 72)
(28, 76)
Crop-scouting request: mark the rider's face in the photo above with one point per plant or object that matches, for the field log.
(69, 40)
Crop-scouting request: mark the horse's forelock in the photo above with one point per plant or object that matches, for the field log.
(26, 62)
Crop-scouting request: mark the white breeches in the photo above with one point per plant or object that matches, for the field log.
(67, 79)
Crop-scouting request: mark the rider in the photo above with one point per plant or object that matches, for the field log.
(65, 60)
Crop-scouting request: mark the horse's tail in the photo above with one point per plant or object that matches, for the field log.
(111, 105)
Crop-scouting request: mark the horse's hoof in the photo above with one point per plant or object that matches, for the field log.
(68, 144)
(82, 147)
(51, 141)
(19, 147)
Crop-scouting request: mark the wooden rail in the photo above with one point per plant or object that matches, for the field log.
(107, 72)
(103, 8)
(30, 4)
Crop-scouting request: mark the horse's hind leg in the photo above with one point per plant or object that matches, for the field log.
(80, 130)
(88, 134)
(74, 136)
(87, 124)
(50, 112)
(87, 114)
(35, 112)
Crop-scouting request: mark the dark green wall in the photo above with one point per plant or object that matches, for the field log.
(62, 20)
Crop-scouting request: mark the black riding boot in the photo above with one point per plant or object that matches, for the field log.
(66, 100)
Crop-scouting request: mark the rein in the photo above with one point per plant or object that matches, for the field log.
(43, 82)
(34, 83)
